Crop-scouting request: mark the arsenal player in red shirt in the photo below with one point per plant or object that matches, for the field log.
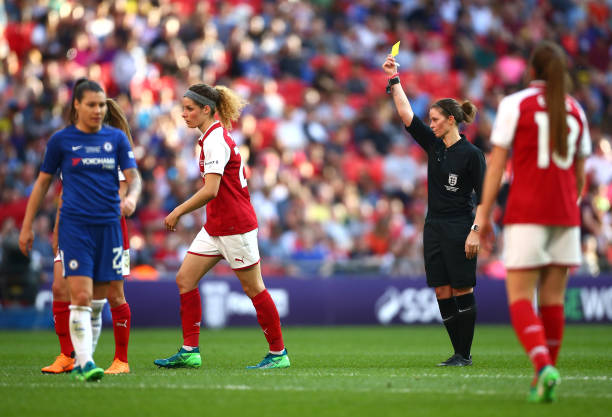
(547, 132)
(230, 231)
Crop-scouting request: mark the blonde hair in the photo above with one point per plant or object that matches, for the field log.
(228, 104)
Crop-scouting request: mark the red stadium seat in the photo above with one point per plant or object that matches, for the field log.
(292, 90)
(377, 82)
(267, 129)
(357, 101)
(253, 87)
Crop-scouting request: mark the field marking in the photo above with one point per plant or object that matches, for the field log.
(444, 375)
(289, 388)
(299, 373)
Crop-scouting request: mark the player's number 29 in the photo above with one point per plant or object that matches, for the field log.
(117, 255)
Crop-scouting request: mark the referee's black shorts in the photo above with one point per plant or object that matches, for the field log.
(444, 250)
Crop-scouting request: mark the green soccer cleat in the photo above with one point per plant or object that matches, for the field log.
(76, 373)
(182, 359)
(273, 361)
(544, 389)
(90, 373)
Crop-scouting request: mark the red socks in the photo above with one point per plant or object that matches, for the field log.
(61, 318)
(121, 329)
(267, 316)
(553, 320)
(191, 317)
(268, 319)
(530, 332)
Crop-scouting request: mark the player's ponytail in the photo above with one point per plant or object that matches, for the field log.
(80, 86)
(116, 118)
(230, 106)
(463, 113)
(548, 63)
(220, 99)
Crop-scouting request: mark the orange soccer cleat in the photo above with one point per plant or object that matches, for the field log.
(118, 367)
(62, 364)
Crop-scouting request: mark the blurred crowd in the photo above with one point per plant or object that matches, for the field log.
(337, 183)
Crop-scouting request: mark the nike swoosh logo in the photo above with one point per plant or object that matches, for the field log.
(76, 148)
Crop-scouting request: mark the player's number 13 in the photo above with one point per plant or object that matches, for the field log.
(541, 119)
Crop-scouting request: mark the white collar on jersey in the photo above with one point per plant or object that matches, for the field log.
(212, 127)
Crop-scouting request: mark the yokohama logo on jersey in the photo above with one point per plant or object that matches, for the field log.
(106, 163)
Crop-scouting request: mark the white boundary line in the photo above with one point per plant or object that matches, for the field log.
(286, 388)
(294, 373)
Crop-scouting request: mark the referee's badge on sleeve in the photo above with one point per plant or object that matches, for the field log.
(452, 179)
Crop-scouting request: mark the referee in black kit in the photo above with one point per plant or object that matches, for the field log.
(455, 169)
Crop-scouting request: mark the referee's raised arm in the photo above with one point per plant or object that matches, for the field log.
(397, 92)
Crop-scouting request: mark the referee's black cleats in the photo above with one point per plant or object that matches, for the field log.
(457, 360)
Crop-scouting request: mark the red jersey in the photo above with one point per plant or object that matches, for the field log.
(543, 187)
(231, 212)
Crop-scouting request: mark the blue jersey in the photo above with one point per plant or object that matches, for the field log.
(88, 163)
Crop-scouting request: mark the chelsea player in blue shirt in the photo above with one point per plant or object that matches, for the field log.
(87, 153)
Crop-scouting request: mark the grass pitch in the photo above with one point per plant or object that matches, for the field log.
(336, 371)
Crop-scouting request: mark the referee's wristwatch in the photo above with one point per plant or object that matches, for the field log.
(392, 81)
(475, 228)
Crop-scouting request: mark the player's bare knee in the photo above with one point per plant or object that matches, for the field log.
(115, 295)
(116, 300)
(443, 292)
(457, 292)
(185, 283)
(81, 298)
(251, 290)
(60, 291)
(550, 298)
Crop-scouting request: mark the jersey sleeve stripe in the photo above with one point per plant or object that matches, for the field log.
(507, 118)
(585, 139)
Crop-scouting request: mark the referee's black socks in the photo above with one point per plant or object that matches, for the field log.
(450, 316)
(466, 320)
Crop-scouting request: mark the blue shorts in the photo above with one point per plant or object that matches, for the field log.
(94, 251)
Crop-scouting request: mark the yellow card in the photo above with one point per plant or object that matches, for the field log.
(395, 49)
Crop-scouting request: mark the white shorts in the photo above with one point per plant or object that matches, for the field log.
(125, 264)
(240, 251)
(533, 246)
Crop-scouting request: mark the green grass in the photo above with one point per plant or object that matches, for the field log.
(336, 371)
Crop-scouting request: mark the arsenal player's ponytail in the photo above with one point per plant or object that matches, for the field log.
(223, 101)
(549, 64)
(116, 118)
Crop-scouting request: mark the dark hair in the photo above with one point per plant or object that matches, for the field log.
(82, 85)
(116, 118)
(463, 113)
(548, 63)
(227, 103)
